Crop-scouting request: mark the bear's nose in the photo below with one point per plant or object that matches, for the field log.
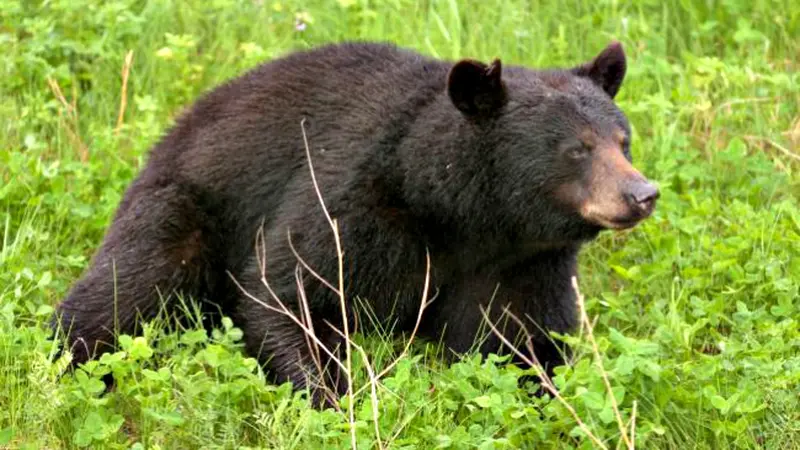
(642, 195)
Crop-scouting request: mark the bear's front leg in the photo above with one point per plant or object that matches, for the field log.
(537, 291)
(276, 334)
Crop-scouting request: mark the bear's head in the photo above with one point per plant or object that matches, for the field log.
(560, 147)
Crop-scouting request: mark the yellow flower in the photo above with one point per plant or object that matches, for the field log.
(164, 53)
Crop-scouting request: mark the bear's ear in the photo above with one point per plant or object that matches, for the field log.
(475, 88)
(607, 69)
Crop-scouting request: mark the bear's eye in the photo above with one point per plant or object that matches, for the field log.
(579, 150)
(626, 147)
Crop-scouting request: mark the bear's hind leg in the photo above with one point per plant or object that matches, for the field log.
(155, 247)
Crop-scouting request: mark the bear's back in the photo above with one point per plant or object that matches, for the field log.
(346, 95)
(240, 148)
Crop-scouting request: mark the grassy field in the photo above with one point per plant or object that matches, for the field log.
(697, 310)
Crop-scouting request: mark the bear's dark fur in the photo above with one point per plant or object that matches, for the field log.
(499, 173)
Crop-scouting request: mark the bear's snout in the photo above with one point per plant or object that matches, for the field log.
(641, 197)
(618, 195)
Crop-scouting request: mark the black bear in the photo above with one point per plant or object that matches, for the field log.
(496, 173)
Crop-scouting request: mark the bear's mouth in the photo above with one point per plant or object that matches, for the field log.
(614, 215)
(620, 223)
(615, 218)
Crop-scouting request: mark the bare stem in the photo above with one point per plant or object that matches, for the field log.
(596, 350)
(423, 304)
(546, 383)
(340, 259)
(123, 101)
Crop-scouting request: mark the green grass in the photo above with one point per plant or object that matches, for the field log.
(698, 309)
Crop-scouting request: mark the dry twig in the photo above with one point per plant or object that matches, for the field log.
(71, 112)
(123, 100)
(545, 380)
(599, 360)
